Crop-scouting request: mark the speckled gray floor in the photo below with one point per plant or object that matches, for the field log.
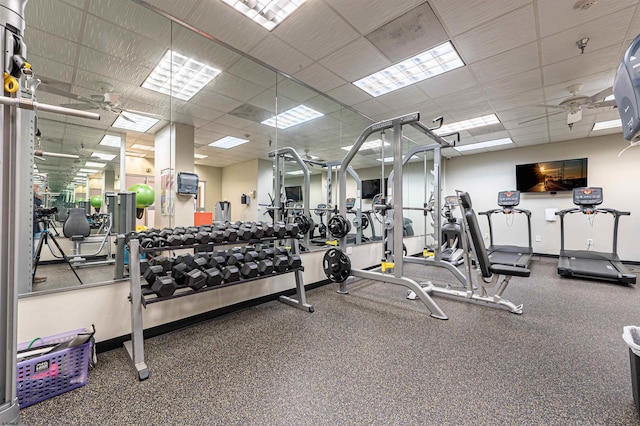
(374, 357)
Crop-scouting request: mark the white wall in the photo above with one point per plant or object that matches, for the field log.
(241, 179)
(483, 175)
(213, 186)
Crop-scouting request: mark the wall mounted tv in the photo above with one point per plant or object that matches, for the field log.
(293, 193)
(371, 187)
(551, 176)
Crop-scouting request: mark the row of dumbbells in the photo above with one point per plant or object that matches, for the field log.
(219, 232)
(166, 275)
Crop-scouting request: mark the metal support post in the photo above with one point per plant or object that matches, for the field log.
(135, 346)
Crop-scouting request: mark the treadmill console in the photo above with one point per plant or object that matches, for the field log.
(587, 198)
(350, 202)
(320, 210)
(626, 89)
(507, 200)
(451, 201)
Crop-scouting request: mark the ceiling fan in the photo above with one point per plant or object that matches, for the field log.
(109, 100)
(310, 157)
(574, 104)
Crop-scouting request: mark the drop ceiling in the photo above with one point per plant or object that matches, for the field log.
(518, 53)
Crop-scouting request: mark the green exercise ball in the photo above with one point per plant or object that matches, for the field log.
(96, 201)
(144, 195)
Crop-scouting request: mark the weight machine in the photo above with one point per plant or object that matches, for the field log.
(337, 265)
(17, 120)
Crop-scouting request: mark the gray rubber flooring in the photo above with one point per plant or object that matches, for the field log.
(372, 357)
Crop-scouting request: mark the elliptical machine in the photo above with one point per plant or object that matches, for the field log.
(451, 233)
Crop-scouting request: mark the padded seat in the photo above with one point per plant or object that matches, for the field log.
(76, 226)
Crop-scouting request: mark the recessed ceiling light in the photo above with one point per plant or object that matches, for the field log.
(601, 125)
(143, 147)
(368, 145)
(268, 13)
(293, 117)
(386, 159)
(199, 156)
(480, 145)
(424, 65)
(110, 140)
(135, 122)
(103, 156)
(179, 76)
(610, 98)
(296, 172)
(467, 124)
(90, 171)
(136, 154)
(81, 174)
(228, 142)
(94, 164)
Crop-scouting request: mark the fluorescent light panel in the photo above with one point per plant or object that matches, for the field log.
(179, 76)
(386, 159)
(94, 164)
(267, 13)
(293, 117)
(103, 156)
(468, 124)
(110, 140)
(143, 147)
(228, 142)
(377, 143)
(81, 174)
(480, 145)
(199, 156)
(138, 123)
(136, 154)
(90, 171)
(296, 172)
(601, 125)
(437, 60)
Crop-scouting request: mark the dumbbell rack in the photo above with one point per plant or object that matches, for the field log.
(135, 346)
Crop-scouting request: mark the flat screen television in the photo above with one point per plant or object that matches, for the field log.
(293, 193)
(551, 176)
(371, 187)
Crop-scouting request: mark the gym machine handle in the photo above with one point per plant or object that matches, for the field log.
(35, 105)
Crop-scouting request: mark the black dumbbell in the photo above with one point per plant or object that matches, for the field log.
(217, 236)
(281, 250)
(200, 263)
(266, 254)
(204, 228)
(186, 258)
(214, 277)
(292, 229)
(265, 267)
(294, 261)
(230, 234)
(217, 262)
(179, 273)
(159, 242)
(164, 286)
(256, 229)
(202, 237)
(174, 240)
(178, 231)
(161, 260)
(188, 239)
(251, 256)
(244, 234)
(196, 279)
(144, 265)
(147, 243)
(152, 273)
(230, 274)
(235, 259)
(249, 270)
(279, 230)
(192, 229)
(165, 233)
(280, 262)
(267, 228)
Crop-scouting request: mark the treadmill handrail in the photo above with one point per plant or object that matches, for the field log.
(493, 211)
(488, 213)
(598, 210)
(616, 219)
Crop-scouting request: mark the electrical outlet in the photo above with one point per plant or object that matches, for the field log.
(349, 250)
(538, 238)
(589, 242)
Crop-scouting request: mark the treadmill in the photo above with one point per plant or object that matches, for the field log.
(509, 254)
(592, 264)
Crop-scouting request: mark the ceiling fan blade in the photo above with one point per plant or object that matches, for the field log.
(601, 95)
(40, 158)
(563, 107)
(60, 92)
(121, 114)
(146, 114)
(603, 104)
(542, 116)
(80, 106)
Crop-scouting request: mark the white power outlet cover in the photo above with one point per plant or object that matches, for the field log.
(349, 250)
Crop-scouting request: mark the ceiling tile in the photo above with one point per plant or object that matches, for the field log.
(414, 32)
(606, 31)
(179, 9)
(499, 35)
(235, 88)
(591, 85)
(461, 15)
(580, 66)
(271, 50)
(135, 18)
(373, 109)
(555, 16)
(215, 101)
(450, 81)
(356, 60)
(49, 46)
(367, 15)
(51, 70)
(103, 64)
(348, 94)
(317, 30)
(515, 61)
(402, 98)
(77, 3)
(253, 72)
(319, 77)
(518, 100)
(54, 17)
(513, 85)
